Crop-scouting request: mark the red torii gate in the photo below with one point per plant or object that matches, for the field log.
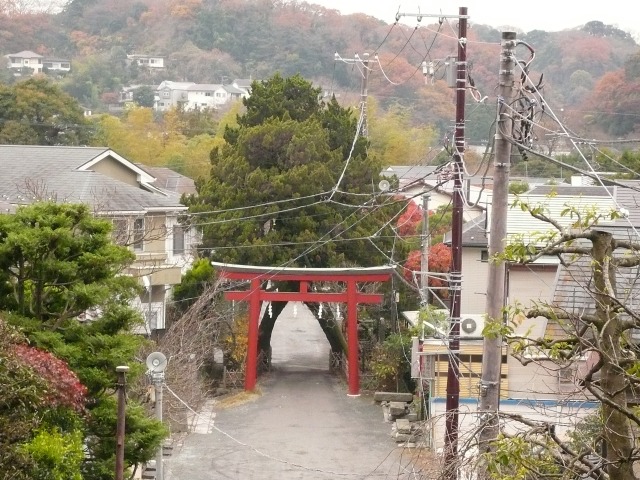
(255, 295)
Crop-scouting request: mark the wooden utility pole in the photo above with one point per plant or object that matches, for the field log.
(492, 348)
(453, 373)
(455, 276)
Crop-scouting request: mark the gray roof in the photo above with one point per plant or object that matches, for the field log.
(33, 173)
(171, 181)
(474, 233)
(24, 54)
(243, 82)
(629, 198)
(574, 290)
(232, 89)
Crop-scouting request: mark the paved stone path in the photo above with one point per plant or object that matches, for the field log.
(303, 426)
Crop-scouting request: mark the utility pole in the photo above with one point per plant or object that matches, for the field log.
(492, 347)
(424, 252)
(120, 422)
(356, 60)
(364, 131)
(455, 276)
(453, 373)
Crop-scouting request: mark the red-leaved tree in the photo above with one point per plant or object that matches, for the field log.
(439, 261)
(409, 220)
(64, 388)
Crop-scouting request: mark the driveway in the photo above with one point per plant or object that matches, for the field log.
(302, 426)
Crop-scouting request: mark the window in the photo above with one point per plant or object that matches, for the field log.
(178, 239)
(120, 231)
(484, 255)
(152, 319)
(138, 234)
(65, 65)
(566, 376)
(166, 94)
(152, 60)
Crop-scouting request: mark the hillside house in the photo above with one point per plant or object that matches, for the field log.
(146, 216)
(196, 96)
(147, 61)
(36, 63)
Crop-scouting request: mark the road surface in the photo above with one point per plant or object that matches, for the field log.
(302, 426)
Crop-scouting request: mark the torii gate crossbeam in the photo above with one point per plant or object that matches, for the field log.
(255, 295)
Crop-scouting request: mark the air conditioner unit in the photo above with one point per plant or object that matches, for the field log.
(471, 325)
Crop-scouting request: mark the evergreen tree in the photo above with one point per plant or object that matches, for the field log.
(58, 265)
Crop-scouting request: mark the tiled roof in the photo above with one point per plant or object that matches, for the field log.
(574, 290)
(32, 173)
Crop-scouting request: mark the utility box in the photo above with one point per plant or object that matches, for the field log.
(451, 71)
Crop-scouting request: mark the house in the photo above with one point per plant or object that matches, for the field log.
(50, 64)
(146, 216)
(437, 182)
(243, 84)
(37, 63)
(147, 61)
(172, 94)
(196, 96)
(25, 59)
(201, 96)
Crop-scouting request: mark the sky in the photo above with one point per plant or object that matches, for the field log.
(548, 15)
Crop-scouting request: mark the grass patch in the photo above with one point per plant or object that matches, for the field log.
(239, 398)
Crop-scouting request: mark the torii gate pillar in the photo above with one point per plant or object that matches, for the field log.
(255, 296)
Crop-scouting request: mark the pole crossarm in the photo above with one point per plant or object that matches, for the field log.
(420, 16)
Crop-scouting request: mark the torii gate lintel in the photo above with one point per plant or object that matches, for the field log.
(352, 297)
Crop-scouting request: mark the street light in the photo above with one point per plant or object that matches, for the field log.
(156, 363)
(120, 386)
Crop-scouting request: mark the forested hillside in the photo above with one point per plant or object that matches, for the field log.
(591, 73)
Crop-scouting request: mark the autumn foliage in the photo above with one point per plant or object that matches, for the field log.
(64, 388)
(439, 261)
(408, 222)
(439, 254)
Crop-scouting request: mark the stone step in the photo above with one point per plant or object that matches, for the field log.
(393, 397)
(398, 409)
(403, 425)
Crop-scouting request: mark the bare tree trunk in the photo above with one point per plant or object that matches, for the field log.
(617, 434)
(266, 326)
